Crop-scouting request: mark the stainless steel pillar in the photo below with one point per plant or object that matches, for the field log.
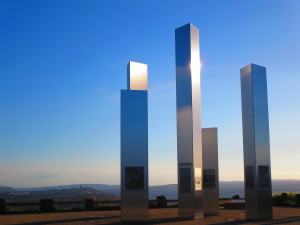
(134, 144)
(188, 103)
(210, 171)
(258, 188)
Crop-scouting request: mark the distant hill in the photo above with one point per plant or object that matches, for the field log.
(6, 189)
(70, 194)
(227, 188)
(100, 187)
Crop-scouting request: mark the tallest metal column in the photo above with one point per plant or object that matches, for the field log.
(188, 104)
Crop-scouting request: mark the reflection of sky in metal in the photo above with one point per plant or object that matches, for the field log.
(137, 76)
(256, 143)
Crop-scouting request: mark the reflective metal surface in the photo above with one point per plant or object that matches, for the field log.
(134, 153)
(137, 76)
(256, 142)
(210, 171)
(188, 105)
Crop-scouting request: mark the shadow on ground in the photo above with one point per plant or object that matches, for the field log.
(287, 220)
(293, 219)
(90, 219)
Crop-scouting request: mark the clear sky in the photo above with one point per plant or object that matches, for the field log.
(63, 63)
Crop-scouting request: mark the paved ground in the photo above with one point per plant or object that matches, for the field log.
(157, 216)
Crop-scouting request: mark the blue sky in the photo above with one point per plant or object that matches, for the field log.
(63, 63)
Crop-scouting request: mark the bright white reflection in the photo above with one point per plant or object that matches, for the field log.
(138, 76)
(195, 67)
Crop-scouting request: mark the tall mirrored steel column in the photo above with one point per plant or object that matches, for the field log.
(134, 144)
(210, 171)
(188, 104)
(257, 171)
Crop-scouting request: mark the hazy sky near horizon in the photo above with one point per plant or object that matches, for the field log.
(63, 63)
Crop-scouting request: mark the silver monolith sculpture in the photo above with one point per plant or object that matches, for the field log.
(188, 105)
(256, 142)
(134, 144)
(210, 171)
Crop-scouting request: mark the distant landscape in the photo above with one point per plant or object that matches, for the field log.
(112, 192)
(57, 194)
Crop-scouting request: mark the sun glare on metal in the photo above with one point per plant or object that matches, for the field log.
(195, 67)
(138, 76)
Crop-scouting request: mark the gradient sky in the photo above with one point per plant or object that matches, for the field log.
(63, 63)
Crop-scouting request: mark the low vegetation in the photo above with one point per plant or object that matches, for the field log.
(286, 199)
